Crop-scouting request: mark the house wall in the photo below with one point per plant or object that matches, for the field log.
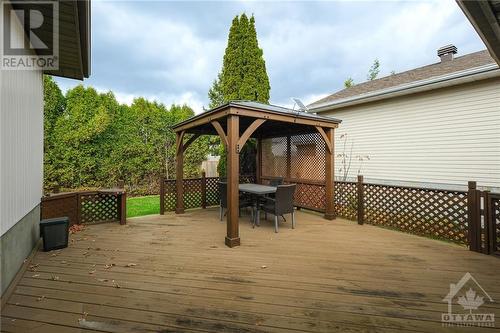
(445, 136)
(21, 165)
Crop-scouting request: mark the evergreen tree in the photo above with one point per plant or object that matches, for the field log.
(372, 74)
(348, 83)
(243, 77)
(79, 136)
(215, 93)
(93, 141)
(54, 105)
(373, 71)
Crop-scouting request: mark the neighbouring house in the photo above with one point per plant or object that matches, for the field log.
(21, 125)
(437, 124)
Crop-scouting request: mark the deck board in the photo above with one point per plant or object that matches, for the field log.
(324, 276)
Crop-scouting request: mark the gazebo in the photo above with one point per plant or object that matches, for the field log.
(293, 144)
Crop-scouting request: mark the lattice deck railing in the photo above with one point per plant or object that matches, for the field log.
(198, 192)
(86, 207)
(490, 242)
(436, 213)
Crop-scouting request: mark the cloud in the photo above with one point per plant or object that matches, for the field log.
(172, 51)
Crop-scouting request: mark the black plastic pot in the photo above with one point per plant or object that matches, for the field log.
(55, 233)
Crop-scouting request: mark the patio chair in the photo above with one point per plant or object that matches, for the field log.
(276, 181)
(281, 204)
(243, 200)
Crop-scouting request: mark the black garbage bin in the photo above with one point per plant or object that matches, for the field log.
(54, 233)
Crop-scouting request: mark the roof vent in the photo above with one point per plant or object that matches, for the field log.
(446, 52)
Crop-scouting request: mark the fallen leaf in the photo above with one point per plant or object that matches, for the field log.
(76, 228)
(33, 267)
(84, 315)
(130, 265)
(102, 280)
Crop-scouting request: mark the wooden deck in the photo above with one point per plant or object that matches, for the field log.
(173, 273)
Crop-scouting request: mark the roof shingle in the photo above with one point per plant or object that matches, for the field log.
(458, 64)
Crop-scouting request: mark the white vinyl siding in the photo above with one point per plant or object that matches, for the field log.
(446, 136)
(21, 143)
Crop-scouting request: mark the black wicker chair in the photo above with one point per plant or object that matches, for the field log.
(243, 202)
(276, 181)
(281, 204)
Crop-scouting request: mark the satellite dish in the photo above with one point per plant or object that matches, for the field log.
(299, 103)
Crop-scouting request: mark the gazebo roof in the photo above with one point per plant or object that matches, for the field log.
(279, 120)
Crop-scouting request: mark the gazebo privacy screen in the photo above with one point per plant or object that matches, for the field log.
(292, 144)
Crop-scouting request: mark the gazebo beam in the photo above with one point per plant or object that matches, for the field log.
(328, 142)
(233, 170)
(201, 120)
(280, 118)
(220, 131)
(329, 175)
(190, 141)
(248, 132)
(179, 172)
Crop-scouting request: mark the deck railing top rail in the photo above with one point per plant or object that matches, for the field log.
(94, 206)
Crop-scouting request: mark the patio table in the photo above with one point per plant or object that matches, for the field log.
(257, 190)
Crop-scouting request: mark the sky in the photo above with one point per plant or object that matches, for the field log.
(172, 51)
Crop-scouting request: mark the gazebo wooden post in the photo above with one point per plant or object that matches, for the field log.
(330, 176)
(233, 170)
(288, 158)
(179, 171)
(258, 167)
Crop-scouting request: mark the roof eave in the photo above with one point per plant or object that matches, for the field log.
(80, 33)
(474, 74)
(486, 23)
(235, 106)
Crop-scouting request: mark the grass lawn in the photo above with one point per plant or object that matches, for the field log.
(138, 206)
